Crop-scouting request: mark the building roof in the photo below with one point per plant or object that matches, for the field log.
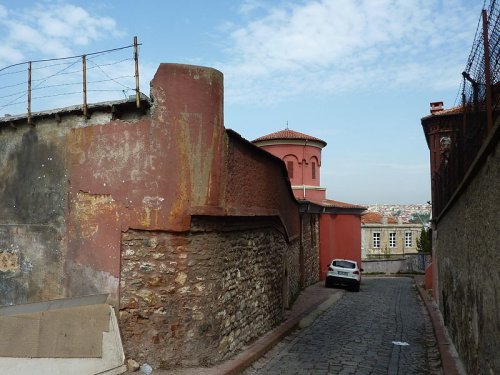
(288, 134)
(376, 218)
(446, 112)
(337, 204)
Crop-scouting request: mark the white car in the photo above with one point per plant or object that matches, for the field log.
(343, 272)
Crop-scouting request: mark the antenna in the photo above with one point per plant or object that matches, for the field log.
(286, 124)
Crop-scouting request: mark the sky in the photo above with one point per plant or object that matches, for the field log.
(359, 74)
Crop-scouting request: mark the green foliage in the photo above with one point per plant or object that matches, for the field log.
(424, 242)
(420, 218)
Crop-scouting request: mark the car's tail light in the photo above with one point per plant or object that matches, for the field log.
(356, 272)
(330, 268)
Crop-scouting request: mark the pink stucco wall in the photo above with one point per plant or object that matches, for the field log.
(306, 160)
(340, 237)
(302, 157)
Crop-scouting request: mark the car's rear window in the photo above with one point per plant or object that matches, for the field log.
(343, 264)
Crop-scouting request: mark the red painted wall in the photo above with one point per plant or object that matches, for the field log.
(340, 237)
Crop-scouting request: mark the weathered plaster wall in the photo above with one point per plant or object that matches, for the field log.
(194, 298)
(85, 201)
(467, 268)
(33, 198)
(144, 174)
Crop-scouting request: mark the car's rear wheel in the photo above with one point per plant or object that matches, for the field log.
(355, 288)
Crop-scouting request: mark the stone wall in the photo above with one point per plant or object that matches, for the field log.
(310, 246)
(467, 262)
(195, 298)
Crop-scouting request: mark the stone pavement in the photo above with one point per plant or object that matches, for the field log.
(384, 329)
(316, 300)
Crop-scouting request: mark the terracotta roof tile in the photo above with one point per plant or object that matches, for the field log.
(376, 218)
(288, 134)
(449, 111)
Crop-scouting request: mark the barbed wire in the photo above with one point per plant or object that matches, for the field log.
(473, 87)
(105, 71)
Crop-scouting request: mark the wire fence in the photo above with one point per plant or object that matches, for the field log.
(479, 106)
(37, 85)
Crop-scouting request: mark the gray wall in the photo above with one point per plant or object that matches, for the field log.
(33, 187)
(468, 263)
(410, 263)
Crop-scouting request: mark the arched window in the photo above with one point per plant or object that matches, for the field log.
(313, 170)
(289, 167)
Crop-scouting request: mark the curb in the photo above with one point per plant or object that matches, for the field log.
(450, 363)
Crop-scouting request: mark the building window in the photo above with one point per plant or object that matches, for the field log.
(289, 167)
(408, 239)
(376, 240)
(313, 170)
(392, 239)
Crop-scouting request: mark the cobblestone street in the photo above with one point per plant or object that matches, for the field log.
(360, 335)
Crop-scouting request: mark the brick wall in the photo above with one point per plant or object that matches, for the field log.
(468, 260)
(195, 298)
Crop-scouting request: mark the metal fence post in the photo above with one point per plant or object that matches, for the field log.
(29, 92)
(136, 59)
(84, 72)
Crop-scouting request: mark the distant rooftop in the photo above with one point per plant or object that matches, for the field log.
(288, 134)
(376, 218)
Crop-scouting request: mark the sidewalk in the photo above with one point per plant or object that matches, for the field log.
(311, 302)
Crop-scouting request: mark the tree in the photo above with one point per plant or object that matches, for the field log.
(420, 218)
(424, 242)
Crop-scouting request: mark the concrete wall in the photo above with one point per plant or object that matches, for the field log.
(33, 204)
(410, 263)
(467, 263)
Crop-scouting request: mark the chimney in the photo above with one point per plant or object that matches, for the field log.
(436, 107)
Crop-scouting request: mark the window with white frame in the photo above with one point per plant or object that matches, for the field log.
(408, 239)
(392, 239)
(376, 240)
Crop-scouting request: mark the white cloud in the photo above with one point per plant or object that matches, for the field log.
(327, 46)
(50, 30)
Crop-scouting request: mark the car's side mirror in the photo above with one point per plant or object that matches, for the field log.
(362, 270)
